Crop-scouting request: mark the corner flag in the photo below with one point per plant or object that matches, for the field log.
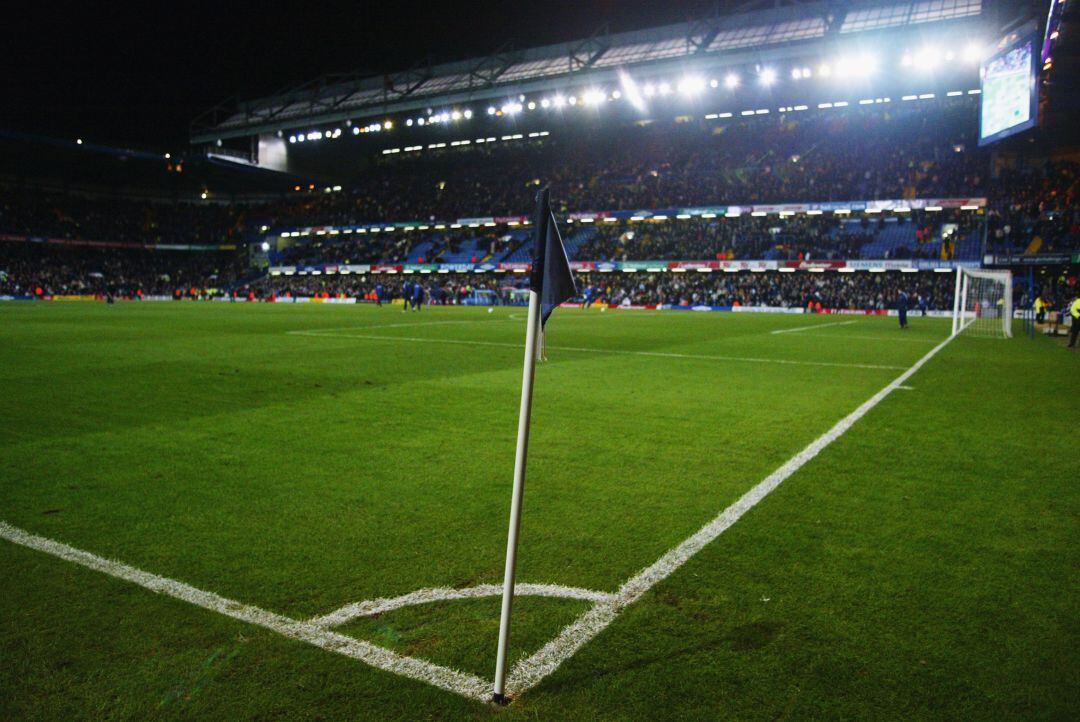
(551, 284)
(551, 277)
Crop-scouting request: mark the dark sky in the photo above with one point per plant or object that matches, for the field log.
(138, 75)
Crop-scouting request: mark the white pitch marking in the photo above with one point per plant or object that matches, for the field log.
(842, 336)
(442, 594)
(906, 388)
(452, 680)
(530, 671)
(660, 354)
(799, 329)
(377, 326)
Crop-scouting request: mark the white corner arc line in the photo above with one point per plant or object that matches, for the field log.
(621, 352)
(444, 594)
(530, 671)
(811, 327)
(451, 680)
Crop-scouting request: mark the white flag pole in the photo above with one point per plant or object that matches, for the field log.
(519, 487)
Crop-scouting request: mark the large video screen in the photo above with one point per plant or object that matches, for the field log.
(1009, 91)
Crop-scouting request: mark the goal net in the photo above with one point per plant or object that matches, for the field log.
(983, 305)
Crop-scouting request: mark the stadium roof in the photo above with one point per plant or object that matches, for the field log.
(756, 31)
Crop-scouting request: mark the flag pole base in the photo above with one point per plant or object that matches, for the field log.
(501, 699)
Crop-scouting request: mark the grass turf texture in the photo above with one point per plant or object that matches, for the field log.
(923, 565)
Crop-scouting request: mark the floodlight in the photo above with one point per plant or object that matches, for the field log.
(491, 110)
(532, 105)
(664, 88)
(691, 85)
(714, 83)
(649, 90)
(467, 113)
(592, 96)
(632, 93)
(973, 52)
(265, 246)
(767, 76)
(558, 101)
(731, 81)
(292, 139)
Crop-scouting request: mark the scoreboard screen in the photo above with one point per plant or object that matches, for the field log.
(1009, 82)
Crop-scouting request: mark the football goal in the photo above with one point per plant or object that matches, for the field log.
(983, 303)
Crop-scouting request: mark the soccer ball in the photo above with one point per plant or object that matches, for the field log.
(603, 308)
(491, 310)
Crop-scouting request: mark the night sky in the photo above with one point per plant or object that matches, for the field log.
(137, 76)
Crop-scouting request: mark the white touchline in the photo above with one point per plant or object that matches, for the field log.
(797, 329)
(528, 672)
(578, 349)
(451, 680)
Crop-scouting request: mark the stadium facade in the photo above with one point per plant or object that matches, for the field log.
(763, 54)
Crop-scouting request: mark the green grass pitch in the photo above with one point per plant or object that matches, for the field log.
(922, 565)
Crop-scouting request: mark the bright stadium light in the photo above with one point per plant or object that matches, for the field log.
(532, 105)
(592, 96)
(714, 83)
(572, 100)
(925, 59)
(292, 138)
(824, 70)
(491, 110)
(973, 52)
(545, 103)
(558, 101)
(409, 122)
(731, 81)
(467, 113)
(665, 88)
(767, 76)
(616, 94)
(649, 90)
(633, 95)
(691, 85)
(387, 125)
(265, 246)
(78, 141)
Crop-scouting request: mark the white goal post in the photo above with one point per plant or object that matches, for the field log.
(983, 303)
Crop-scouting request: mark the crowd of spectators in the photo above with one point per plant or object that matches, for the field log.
(831, 290)
(1036, 209)
(47, 269)
(68, 216)
(902, 152)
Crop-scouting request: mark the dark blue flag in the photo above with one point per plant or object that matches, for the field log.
(551, 277)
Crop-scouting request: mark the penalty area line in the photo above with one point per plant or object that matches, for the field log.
(529, 672)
